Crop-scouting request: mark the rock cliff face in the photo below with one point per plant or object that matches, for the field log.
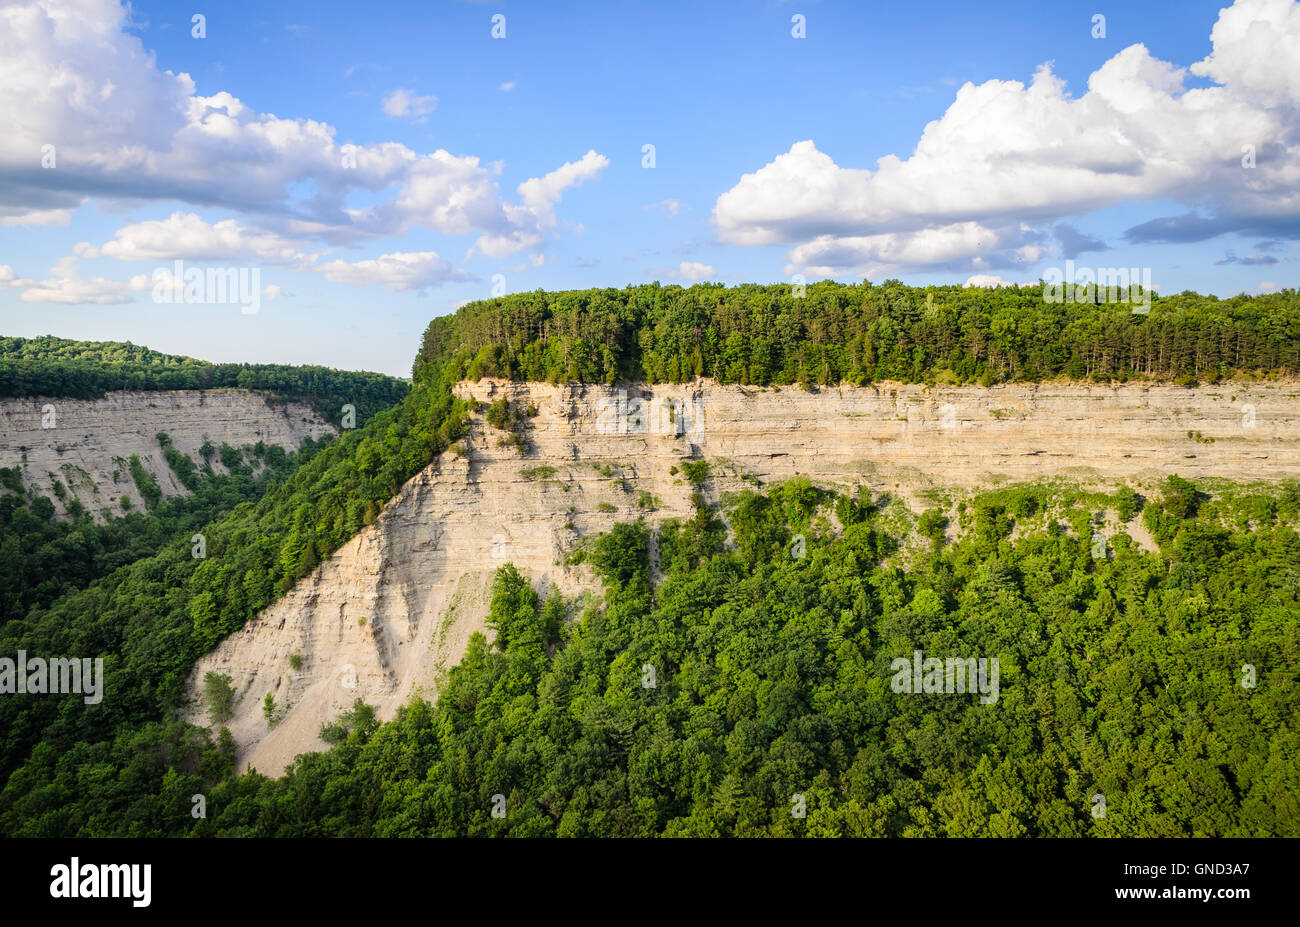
(396, 605)
(86, 443)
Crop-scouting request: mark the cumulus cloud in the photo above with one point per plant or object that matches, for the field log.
(961, 243)
(188, 238)
(686, 270)
(405, 103)
(185, 236)
(534, 217)
(401, 271)
(73, 77)
(66, 286)
(989, 281)
(990, 181)
(9, 280)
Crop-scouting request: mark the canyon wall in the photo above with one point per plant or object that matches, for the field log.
(394, 607)
(86, 443)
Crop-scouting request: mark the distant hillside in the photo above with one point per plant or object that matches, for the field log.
(47, 347)
(832, 333)
(80, 453)
(58, 367)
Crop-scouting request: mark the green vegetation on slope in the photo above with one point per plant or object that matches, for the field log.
(1120, 676)
(152, 619)
(43, 558)
(50, 366)
(836, 333)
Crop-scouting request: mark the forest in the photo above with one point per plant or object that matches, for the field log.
(151, 619)
(771, 712)
(57, 367)
(43, 557)
(1121, 675)
(837, 333)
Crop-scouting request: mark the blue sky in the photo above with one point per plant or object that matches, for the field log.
(1002, 190)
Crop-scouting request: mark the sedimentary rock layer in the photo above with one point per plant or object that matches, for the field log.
(86, 443)
(395, 605)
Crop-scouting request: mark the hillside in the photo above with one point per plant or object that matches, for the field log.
(397, 605)
(976, 477)
(73, 415)
(60, 368)
(81, 450)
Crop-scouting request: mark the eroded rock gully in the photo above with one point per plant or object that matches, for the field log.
(396, 605)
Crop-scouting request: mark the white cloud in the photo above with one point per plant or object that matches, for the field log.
(1267, 286)
(68, 287)
(401, 271)
(672, 207)
(185, 236)
(1255, 50)
(507, 86)
(925, 247)
(534, 218)
(1011, 159)
(986, 280)
(693, 270)
(9, 280)
(405, 103)
(540, 194)
(36, 217)
(73, 76)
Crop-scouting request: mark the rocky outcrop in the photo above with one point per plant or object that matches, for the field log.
(86, 444)
(395, 606)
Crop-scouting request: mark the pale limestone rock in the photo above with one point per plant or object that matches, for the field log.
(421, 574)
(92, 439)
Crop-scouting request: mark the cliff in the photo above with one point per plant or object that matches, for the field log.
(86, 444)
(396, 605)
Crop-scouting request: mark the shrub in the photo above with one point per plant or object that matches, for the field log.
(1127, 503)
(220, 696)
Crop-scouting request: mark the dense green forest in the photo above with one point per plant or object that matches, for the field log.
(50, 366)
(859, 334)
(1121, 676)
(153, 618)
(43, 557)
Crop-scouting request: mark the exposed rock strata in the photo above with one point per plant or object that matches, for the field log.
(88, 442)
(397, 603)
